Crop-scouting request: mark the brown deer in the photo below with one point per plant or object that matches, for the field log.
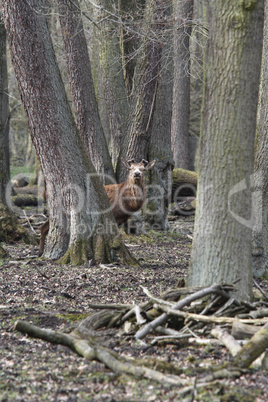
(125, 198)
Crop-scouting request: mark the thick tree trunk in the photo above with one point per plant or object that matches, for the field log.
(82, 88)
(183, 14)
(260, 194)
(222, 237)
(81, 224)
(4, 117)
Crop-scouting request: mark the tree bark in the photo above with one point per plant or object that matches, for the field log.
(222, 237)
(82, 226)
(183, 14)
(108, 75)
(159, 187)
(130, 12)
(145, 83)
(4, 117)
(260, 194)
(82, 89)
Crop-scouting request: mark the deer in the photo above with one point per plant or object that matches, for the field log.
(125, 198)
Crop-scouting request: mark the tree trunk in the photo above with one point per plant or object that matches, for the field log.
(4, 117)
(145, 82)
(130, 13)
(222, 237)
(81, 224)
(159, 188)
(109, 80)
(183, 14)
(260, 195)
(82, 88)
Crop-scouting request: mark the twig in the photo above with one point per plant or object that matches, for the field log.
(156, 299)
(169, 337)
(210, 319)
(40, 272)
(29, 222)
(137, 311)
(260, 289)
(110, 306)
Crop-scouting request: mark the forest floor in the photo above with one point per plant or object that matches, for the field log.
(57, 297)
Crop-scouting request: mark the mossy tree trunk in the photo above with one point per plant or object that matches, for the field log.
(82, 226)
(82, 88)
(222, 236)
(260, 195)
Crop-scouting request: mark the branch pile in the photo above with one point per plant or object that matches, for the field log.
(180, 313)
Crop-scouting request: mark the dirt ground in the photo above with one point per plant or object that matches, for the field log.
(57, 297)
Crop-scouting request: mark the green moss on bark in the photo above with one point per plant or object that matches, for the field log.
(11, 230)
(101, 249)
(78, 253)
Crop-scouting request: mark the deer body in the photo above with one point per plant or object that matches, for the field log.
(125, 198)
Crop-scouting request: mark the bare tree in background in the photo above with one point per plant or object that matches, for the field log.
(183, 16)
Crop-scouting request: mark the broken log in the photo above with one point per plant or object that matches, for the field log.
(252, 349)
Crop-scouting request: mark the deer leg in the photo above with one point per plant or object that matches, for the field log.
(44, 231)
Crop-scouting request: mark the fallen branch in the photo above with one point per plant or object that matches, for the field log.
(136, 310)
(228, 340)
(91, 351)
(252, 349)
(214, 289)
(242, 331)
(111, 306)
(208, 318)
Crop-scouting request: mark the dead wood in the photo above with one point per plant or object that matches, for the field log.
(259, 313)
(206, 318)
(184, 177)
(263, 293)
(242, 331)
(228, 340)
(214, 289)
(253, 348)
(92, 351)
(26, 200)
(186, 206)
(235, 348)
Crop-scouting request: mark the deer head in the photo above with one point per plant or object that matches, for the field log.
(137, 170)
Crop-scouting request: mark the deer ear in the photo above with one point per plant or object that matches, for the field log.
(127, 163)
(150, 165)
(145, 163)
